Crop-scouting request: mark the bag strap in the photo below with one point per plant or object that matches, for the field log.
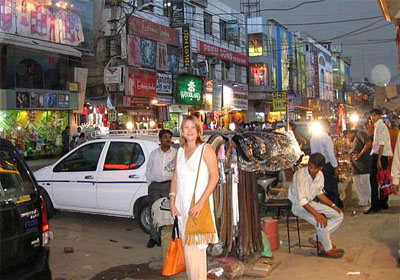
(198, 171)
(175, 229)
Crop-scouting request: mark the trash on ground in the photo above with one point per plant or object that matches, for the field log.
(68, 250)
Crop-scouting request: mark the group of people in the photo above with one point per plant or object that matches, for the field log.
(78, 138)
(314, 189)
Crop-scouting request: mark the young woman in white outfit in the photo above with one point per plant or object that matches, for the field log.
(182, 189)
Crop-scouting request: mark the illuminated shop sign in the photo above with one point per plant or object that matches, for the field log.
(255, 45)
(42, 100)
(190, 90)
(186, 45)
(224, 54)
(141, 82)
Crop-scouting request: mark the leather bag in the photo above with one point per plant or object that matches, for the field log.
(200, 230)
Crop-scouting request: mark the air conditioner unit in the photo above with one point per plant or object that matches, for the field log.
(215, 60)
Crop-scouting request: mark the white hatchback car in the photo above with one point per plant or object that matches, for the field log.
(105, 176)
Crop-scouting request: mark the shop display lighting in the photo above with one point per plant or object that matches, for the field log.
(129, 125)
(19, 128)
(354, 118)
(152, 124)
(316, 128)
(64, 5)
(154, 101)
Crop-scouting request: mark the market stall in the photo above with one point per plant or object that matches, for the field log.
(241, 158)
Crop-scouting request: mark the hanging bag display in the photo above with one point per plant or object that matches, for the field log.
(200, 230)
(175, 258)
(384, 179)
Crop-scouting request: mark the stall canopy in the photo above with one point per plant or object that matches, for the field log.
(30, 43)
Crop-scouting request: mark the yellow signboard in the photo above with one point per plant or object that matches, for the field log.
(279, 102)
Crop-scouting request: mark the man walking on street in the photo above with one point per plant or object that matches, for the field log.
(381, 151)
(325, 216)
(361, 164)
(159, 173)
(322, 143)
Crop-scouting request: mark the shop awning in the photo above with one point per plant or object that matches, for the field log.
(32, 43)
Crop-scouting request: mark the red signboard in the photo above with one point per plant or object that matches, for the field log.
(223, 54)
(141, 82)
(153, 31)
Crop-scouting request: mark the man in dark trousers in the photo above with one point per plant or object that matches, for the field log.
(322, 143)
(159, 173)
(65, 140)
(381, 151)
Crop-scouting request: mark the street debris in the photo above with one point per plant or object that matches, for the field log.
(68, 250)
(353, 273)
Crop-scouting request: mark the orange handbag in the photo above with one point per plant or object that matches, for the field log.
(175, 258)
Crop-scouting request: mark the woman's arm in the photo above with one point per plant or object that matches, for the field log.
(210, 158)
(172, 193)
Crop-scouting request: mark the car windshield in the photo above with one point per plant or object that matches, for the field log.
(15, 184)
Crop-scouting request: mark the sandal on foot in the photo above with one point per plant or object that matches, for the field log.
(333, 254)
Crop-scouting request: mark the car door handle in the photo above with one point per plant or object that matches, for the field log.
(133, 176)
(89, 177)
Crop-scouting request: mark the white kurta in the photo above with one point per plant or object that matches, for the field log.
(186, 179)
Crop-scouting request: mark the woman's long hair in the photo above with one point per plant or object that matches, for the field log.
(195, 120)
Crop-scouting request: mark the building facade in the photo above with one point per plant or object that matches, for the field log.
(41, 77)
(173, 58)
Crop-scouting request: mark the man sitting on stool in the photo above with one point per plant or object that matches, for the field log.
(159, 172)
(325, 216)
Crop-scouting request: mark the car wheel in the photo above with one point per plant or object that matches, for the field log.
(144, 217)
(45, 274)
(49, 205)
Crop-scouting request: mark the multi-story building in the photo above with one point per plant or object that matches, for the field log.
(177, 57)
(41, 77)
(319, 69)
(271, 68)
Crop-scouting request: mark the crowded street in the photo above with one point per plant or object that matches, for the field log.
(199, 139)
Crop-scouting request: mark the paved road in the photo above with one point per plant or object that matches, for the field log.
(115, 248)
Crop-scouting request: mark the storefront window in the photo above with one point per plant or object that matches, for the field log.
(258, 74)
(29, 74)
(34, 133)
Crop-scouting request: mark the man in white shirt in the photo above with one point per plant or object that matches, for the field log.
(159, 171)
(396, 174)
(325, 216)
(322, 143)
(381, 151)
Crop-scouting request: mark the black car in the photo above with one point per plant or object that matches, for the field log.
(25, 231)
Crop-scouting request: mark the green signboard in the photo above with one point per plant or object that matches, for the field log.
(190, 90)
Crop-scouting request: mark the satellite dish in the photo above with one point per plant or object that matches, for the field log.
(380, 75)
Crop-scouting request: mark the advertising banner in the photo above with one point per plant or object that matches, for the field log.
(162, 56)
(186, 45)
(232, 31)
(316, 76)
(227, 93)
(148, 50)
(113, 75)
(164, 100)
(190, 90)
(211, 50)
(173, 59)
(240, 97)
(153, 31)
(255, 45)
(141, 82)
(203, 3)
(177, 17)
(139, 102)
(164, 83)
(41, 20)
(134, 51)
